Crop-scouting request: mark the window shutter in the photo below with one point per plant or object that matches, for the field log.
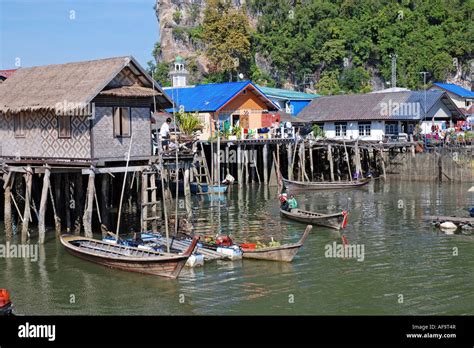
(117, 130)
(125, 122)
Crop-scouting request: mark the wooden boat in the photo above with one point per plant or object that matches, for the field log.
(128, 258)
(284, 253)
(337, 221)
(324, 185)
(205, 188)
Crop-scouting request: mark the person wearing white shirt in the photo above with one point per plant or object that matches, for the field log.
(165, 133)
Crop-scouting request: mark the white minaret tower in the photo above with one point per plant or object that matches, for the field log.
(179, 75)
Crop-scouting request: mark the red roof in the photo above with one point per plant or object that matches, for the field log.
(7, 73)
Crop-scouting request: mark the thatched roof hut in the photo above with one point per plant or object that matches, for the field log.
(44, 87)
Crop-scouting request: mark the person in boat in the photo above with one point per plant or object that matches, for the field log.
(284, 202)
(292, 203)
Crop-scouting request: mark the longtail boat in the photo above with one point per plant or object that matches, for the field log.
(337, 220)
(132, 259)
(285, 252)
(324, 185)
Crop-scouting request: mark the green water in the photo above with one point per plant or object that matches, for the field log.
(403, 256)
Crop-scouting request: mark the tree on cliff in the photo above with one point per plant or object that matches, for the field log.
(226, 33)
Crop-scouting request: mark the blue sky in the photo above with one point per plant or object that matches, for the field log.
(40, 32)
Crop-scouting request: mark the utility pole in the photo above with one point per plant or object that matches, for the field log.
(394, 70)
(424, 73)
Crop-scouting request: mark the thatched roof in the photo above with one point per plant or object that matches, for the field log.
(131, 91)
(44, 87)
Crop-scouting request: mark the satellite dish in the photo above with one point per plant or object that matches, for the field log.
(241, 76)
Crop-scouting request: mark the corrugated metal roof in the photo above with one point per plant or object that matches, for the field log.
(287, 94)
(372, 106)
(7, 73)
(210, 97)
(458, 90)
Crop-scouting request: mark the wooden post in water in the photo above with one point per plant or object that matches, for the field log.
(289, 160)
(27, 213)
(357, 160)
(239, 165)
(265, 164)
(104, 206)
(87, 218)
(311, 162)
(348, 162)
(331, 163)
(59, 203)
(43, 204)
(186, 179)
(79, 203)
(144, 199)
(67, 199)
(8, 179)
(154, 223)
(383, 164)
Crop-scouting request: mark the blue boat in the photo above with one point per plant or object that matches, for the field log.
(205, 188)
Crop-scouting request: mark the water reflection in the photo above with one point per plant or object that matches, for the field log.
(403, 254)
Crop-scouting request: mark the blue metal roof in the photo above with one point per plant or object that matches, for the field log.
(209, 97)
(458, 90)
(287, 94)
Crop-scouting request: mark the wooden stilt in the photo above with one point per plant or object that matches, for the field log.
(382, 162)
(239, 165)
(265, 164)
(104, 206)
(357, 160)
(68, 197)
(289, 152)
(331, 163)
(144, 199)
(8, 180)
(43, 204)
(87, 218)
(56, 200)
(27, 213)
(154, 222)
(187, 188)
(79, 204)
(311, 162)
(347, 161)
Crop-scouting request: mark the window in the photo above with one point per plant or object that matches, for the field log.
(19, 125)
(64, 126)
(122, 122)
(391, 128)
(341, 129)
(364, 129)
(467, 103)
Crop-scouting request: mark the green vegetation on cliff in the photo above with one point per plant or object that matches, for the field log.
(342, 46)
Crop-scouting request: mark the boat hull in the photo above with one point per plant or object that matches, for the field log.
(213, 188)
(327, 220)
(164, 266)
(282, 253)
(328, 185)
(285, 255)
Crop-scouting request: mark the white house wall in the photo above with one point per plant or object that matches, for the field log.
(377, 130)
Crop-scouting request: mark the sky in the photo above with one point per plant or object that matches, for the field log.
(41, 32)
